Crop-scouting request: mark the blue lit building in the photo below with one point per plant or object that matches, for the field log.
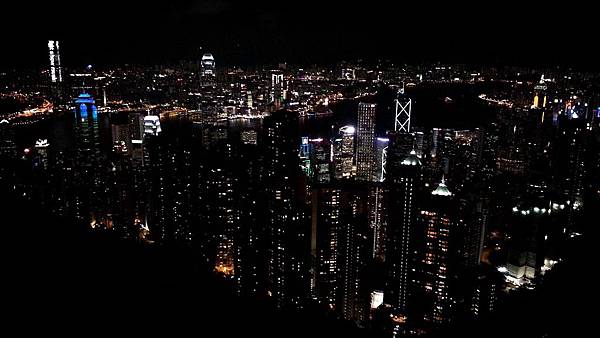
(88, 174)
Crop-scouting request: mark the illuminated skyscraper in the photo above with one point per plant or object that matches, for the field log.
(208, 71)
(286, 266)
(403, 111)
(55, 67)
(444, 258)
(324, 243)
(354, 251)
(152, 125)
(277, 88)
(537, 232)
(343, 155)
(381, 158)
(365, 142)
(41, 149)
(403, 182)
(136, 135)
(320, 160)
(88, 164)
(539, 94)
(341, 245)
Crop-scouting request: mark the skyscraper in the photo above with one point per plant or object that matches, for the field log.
(208, 66)
(208, 71)
(152, 125)
(324, 243)
(320, 160)
(444, 262)
(343, 155)
(403, 111)
(8, 153)
(88, 164)
(539, 95)
(381, 158)
(403, 183)
(285, 223)
(365, 142)
(55, 67)
(277, 88)
(341, 244)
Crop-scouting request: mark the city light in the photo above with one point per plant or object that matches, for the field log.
(394, 198)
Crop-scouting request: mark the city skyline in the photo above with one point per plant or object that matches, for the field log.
(308, 192)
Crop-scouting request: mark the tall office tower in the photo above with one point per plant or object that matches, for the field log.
(152, 125)
(464, 152)
(182, 171)
(136, 155)
(286, 233)
(381, 158)
(325, 223)
(343, 153)
(55, 67)
(136, 135)
(537, 232)
(168, 173)
(574, 169)
(420, 143)
(403, 111)
(341, 247)
(220, 210)
(483, 289)
(540, 99)
(365, 142)
(136, 125)
(224, 218)
(8, 153)
(208, 71)
(62, 183)
(444, 262)
(251, 242)
(404, 138)
(120, 131)
(378, 218)
(41, 149)
(277, 89)
(156, 188)
(305, 151)
(320, 160)
(403, 237)
(354, 252)
(120, 204)
(40, 173)
(88, 164)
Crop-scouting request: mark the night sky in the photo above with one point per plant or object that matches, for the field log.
(116, 32)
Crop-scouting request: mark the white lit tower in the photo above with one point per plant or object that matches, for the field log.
(55, 67)
(343, 155)
(208, 71)
(277, 88)
(365, 142)
(403, 111)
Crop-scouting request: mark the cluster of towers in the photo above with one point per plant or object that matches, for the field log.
(374, 228)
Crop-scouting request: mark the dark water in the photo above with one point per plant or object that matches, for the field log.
(430, 109)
